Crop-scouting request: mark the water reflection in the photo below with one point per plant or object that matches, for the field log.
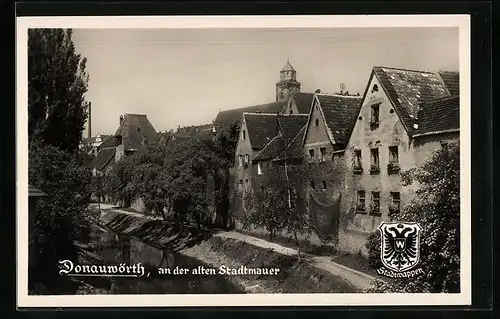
(117, 248)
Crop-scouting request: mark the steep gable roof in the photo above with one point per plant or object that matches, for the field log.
(339, 112)
(295, 148)
(303, 101)
(109, 141)
(439, 116)
(451, 80)
(289, 127)
(231, 116)
(134, 128)
(103, 158)
(261, 128)
(407, 89)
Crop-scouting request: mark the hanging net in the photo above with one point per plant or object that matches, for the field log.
(324, 217)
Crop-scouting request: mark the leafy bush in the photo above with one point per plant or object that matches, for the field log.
(373, 247)
(61, 217)
(436, 206)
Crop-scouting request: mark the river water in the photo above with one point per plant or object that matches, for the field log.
(112, 249)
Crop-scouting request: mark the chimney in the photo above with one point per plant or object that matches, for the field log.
(342, 88)
(89, 128)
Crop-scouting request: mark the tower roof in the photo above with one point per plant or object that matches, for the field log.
(288, 66)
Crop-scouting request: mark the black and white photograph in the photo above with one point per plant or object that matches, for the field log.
(225, 161)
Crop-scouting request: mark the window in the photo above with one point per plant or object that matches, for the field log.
(393, 165)
(317, 122)
(444, 144)
(393, 154)
(247, 158)
(323, 153)
(313, 186)
(375, 114)
(243, 135)
(324, 185)
(259, 169)
(311, 153)
(291, 111)
(358, 166)
(395, 205)
(375, 208)
(138, 129)
(374, 167)
(240, 160)
(360, 207)
(240, 185)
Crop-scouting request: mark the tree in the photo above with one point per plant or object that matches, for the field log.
(279, 204)
(189, 161)
(61, 218)
(225, 142)
(436, 207)
(118, 181)
(57, 83)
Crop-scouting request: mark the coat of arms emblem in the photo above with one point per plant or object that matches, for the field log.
(400, 250)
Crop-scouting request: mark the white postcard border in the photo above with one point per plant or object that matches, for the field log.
(179, 300)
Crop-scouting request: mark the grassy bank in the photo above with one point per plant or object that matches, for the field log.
(293, 277)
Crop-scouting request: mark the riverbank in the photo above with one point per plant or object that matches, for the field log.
(295, 277)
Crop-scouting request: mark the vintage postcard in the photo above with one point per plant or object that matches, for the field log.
(243, 161)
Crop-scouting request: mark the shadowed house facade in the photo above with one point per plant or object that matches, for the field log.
(330, 122)
(405, 116)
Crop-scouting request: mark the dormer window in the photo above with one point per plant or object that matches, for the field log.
(243, 135)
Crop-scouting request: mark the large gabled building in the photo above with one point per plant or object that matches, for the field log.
(405, 116)
(260, 139)
(135, 132)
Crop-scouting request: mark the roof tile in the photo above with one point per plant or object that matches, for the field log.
(231, 116)
(103, 158)
(439, 115)
(290, 126)
(303, 101)
(407, 89)
(340, 114)
(134, 128)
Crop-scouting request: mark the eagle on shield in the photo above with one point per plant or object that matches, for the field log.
(400, 249)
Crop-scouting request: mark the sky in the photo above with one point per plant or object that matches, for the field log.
(186, 76)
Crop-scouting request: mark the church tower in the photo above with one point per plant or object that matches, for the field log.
(288, 82)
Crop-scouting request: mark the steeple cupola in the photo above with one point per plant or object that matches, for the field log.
(288, 82)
